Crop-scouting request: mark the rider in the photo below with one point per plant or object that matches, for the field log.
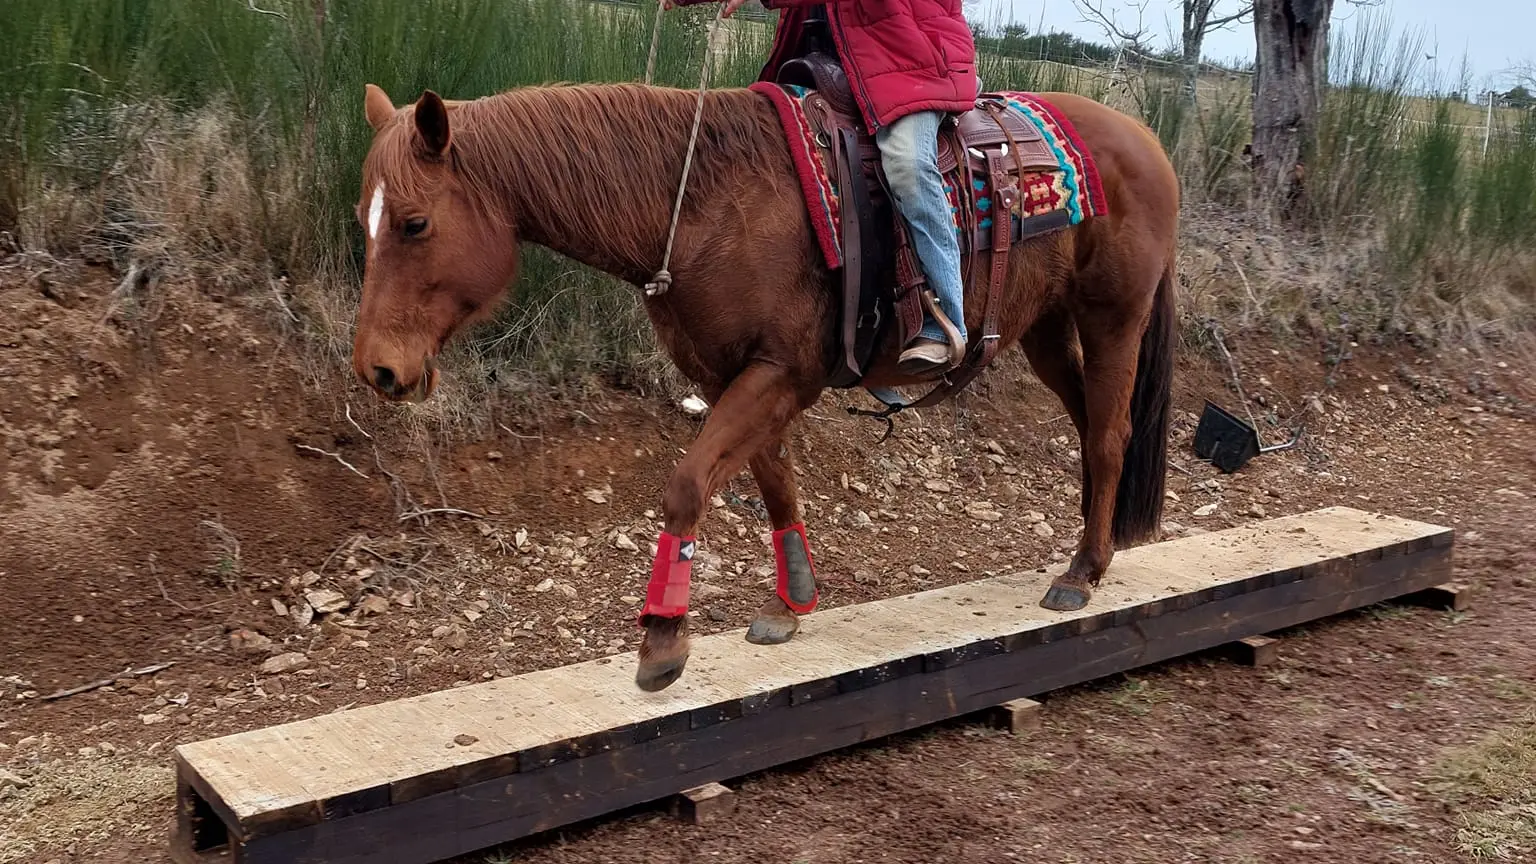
(910, 62)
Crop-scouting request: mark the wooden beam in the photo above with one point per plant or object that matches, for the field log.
(1256, 650)
(702, 805)
(426, 778)
(1452, 596)
(1017, 715)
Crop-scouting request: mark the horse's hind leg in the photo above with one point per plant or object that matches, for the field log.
(753, 411)
(1109, 323)
(1053, 352)
(778, 619)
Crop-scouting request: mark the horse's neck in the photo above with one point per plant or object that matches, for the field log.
(584, 171)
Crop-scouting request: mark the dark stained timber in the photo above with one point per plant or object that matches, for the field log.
(558, 746)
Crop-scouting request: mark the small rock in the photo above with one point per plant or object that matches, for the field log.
(623, 543)
(302, 614)
(472, 615)
(693, 406)
(706, 591)
(936, 486)
(1304, 846)
(717, 615)
(406, 599)
(597, 496)
(630, 599)
(451, 635)
(9, 780)
(1044, 529)
(567, 589)
(994, 447)
(152, 719)
(1171, 495)
(249, 641)
(984, 511)
(543, 587)
(1256, 510)
(919, 570)
(860, 519)
(865, 577)
(326, 601)
(1206, 510)
(1509, 493)
(1034, 516)
(280, 608)
(493, 456)
(464, 740)
(373, 604)
(284, 663)
(1173, 528)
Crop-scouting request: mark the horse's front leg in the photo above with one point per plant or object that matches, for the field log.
(778, 620)
(753, 411)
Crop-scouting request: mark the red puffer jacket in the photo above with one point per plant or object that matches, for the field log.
(901, 56)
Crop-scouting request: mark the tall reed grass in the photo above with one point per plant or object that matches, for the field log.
(224, 137)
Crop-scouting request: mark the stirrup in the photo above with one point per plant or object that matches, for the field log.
(951, 332)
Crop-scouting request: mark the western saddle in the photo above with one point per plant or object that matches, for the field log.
(882, 280)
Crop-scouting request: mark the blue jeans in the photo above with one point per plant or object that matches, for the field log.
(909, 153)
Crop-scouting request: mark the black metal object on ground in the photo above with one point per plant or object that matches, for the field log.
(1227, 442)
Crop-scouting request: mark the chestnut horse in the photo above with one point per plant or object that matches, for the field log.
(450, 189)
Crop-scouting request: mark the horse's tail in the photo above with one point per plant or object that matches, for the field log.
(1139, 498)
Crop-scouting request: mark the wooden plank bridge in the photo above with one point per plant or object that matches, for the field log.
(426, 778)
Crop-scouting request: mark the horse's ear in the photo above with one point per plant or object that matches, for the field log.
(377, 106)
(432, 123)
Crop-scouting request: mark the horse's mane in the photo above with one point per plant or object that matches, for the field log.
(555, 159)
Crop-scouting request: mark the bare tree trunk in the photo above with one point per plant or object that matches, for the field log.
(1196, 13)
(1290, 71)
(1200, 19)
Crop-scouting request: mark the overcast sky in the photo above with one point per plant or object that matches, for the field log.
(1492, 35)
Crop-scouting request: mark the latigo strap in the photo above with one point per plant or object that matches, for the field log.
(667, 593)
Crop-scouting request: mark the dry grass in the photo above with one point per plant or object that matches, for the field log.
(227, 192)
(1492, 786)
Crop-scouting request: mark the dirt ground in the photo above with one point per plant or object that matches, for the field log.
(172, 492)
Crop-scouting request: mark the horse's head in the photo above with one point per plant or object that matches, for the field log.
(438, 255)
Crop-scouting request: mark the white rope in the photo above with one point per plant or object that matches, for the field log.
(650, 62)
(663, 278)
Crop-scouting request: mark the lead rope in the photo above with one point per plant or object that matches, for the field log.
(663, 278)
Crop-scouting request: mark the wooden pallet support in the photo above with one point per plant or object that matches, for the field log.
(1451, 596)
(1256, 650)
(446, 774)
(702, 805)
(1017, 715)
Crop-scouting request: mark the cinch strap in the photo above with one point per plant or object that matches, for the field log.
(667, 593)
(782, 561)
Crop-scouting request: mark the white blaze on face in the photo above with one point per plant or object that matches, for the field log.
(376, 211)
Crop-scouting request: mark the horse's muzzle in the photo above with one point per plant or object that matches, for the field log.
(392, 386)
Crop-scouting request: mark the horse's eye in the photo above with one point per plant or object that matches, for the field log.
(414, 227)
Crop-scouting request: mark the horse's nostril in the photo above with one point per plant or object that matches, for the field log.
(384, 378)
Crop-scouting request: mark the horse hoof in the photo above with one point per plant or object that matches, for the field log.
(1065, 598)
(775, 624)
(663, 653)
(773, 629)
(656, 675)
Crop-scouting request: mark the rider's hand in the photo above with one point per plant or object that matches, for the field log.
(730, 7)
